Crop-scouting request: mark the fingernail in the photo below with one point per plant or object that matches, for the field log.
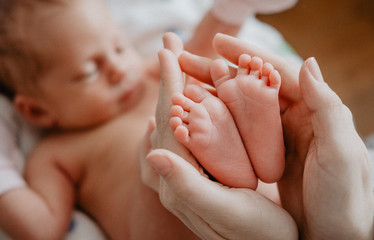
(159, 163)
(314, 69)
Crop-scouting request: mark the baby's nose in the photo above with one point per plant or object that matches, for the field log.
(117, 74)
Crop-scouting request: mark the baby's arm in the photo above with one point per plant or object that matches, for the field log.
(42, 209)
(227, 17)
(201, 41)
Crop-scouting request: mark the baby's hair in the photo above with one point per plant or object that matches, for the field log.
(19, 63)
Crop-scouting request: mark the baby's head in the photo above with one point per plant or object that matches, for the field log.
(65, 62)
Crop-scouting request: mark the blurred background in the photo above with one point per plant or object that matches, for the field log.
(340, 35)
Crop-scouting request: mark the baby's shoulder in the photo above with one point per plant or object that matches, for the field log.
(60, 148)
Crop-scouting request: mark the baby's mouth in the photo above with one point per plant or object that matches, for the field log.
(130, 95)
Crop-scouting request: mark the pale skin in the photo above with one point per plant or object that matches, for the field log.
(205, 126)
(101, 112)
(196, 205)
(326, 189)
(99, 109)
(252, 98)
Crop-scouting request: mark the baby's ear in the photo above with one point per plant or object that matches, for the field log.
(33, 111)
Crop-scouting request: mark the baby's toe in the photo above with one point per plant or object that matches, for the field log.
(243, 66)
(256, 65)
(274, 79)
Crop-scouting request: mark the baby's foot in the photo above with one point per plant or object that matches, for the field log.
(252, 98)
(204, 125)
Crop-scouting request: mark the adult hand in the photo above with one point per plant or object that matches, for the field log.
(211, 210)
(326, 186)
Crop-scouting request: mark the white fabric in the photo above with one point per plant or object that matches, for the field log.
(83, 227)
(236, 11)
(369, 142)
(16, 140)
(371, 155)
(145, 21)
(269, 6)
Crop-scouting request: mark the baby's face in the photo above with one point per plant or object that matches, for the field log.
(92, 73)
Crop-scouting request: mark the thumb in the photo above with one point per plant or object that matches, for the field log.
(184, 183)
(171, 73)
(337, 140)
(173, 43)
(329, 115)
(183, 192)
(171, 83)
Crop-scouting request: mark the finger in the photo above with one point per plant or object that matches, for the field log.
(196, 66)
(199, 67)
(148, 175)
(176, 172)
(150, 130)
(231, 48)
(172, 82)
(173, 43)
(331, 116)
(171, 74)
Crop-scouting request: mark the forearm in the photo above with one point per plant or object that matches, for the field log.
(25, 215)
(42, 209)
(201, 41)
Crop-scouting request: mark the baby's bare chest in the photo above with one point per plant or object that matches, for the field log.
(109, 163)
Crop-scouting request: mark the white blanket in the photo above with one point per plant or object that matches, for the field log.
(145, 21)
